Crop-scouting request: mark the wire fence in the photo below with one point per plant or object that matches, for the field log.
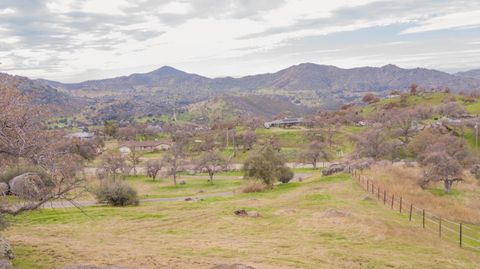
(465, 235)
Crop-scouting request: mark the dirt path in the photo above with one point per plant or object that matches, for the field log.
(67, 204)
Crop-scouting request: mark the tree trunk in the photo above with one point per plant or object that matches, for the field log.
(448, 185)
(211, 177)
(175, 178)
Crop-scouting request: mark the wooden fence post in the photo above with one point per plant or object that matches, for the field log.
(410, 214)
(440, 227)
(423, 217)
(393, 199)
(400, 204)
(461, 234)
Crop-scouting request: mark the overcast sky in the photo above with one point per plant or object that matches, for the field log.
(75, 40)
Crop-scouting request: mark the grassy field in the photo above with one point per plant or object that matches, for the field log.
(147, 188)
(293, 231)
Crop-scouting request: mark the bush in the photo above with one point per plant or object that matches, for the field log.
(116, 193)
(254, 186)
(266, 164)
(285, 174)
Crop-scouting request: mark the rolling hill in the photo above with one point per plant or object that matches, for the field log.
(305, 85)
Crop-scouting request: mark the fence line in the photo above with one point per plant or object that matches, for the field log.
(466, 237)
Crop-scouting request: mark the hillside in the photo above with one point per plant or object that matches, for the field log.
(470, 74)
(310, 85)
(258, 106)
(62, 102)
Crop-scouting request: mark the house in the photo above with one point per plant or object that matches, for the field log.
(84, 136)
(128, 146)
(287, 122)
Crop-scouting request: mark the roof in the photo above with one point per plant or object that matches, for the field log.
(153, 143)
(81, 135)
(287, 121)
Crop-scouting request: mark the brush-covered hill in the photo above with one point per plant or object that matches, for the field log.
(248, 106)
(470, 74)
(61, 102)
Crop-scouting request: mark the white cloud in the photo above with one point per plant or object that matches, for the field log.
(7, 11)
(449, 21)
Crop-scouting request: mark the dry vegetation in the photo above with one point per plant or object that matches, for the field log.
(461, 205)
(296, 230)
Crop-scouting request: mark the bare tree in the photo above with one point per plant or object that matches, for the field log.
(24, 138)
(113, 164)
(373, 143)
(212, 162)
(440, 166)
(249, 138)
(174, 159)
(315, 152)
(153, 168)
(134, 159)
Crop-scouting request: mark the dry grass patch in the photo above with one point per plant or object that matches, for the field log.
(460, 205)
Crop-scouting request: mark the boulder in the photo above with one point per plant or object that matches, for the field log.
(28, 185)
(6, 254)
(5, 264)
(333, 213)
(333, 168)
(244, 213)
(4, 188)
(253, 214)
(366, 197)
(182, 182)
(240, 212)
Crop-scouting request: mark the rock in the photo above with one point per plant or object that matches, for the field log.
(244, 213)
(253, 214)
(333, 168)
(201, 191)
(182, 182)
(5, 264)
(232, 266)
(6, 252)
(188, 199)
(333, 213)
(366, 198)
(240, 212)
(28, 185)
(4, 188)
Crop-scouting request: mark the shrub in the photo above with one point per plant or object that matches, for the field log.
(254, 186)
(285, 174)
(116, 193)
(265, 164)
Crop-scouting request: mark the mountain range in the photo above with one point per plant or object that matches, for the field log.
(306, 85)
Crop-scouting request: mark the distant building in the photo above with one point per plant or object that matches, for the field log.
(284, 123)
(82, 136)
(128, 146)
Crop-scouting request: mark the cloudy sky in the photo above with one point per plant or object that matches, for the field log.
(75, 40)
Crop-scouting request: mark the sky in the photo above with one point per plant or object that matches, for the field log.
(76, 40)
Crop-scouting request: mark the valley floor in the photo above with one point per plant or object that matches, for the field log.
(298, 228)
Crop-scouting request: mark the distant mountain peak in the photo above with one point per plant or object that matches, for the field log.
(167, 70)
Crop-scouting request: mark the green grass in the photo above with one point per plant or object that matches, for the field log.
(164, 188)
(290, 233)
(441, 192)
(474, 108)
